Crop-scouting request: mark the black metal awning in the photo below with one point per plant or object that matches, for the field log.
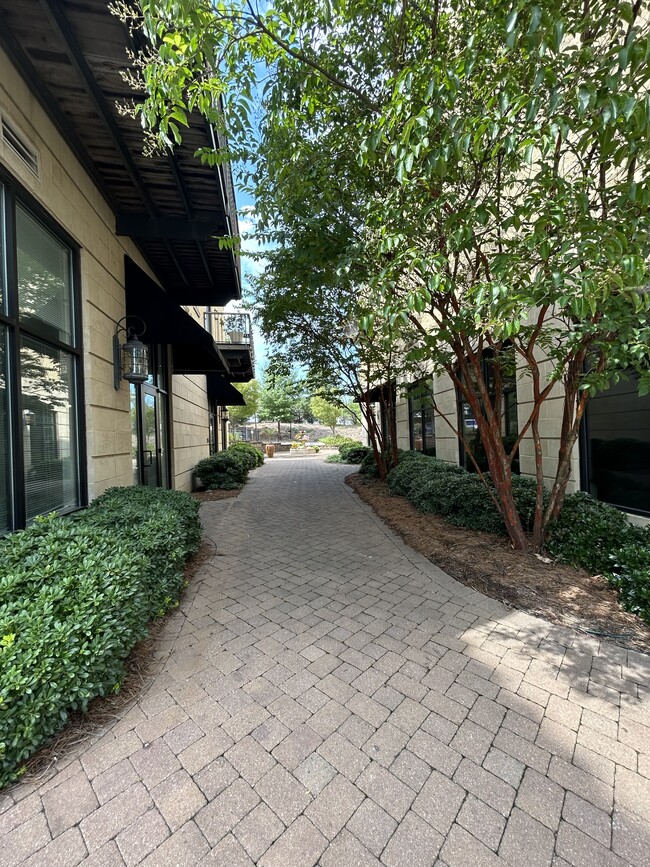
(73, 55)
(222, 392)
(384, 392)
(193, 349)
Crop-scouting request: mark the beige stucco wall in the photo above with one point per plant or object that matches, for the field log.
(69, 195)
(550, 426)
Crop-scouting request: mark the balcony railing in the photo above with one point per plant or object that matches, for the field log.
(228, 328)
(231, 331)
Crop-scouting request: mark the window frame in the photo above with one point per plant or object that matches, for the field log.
(14, 194)
(419, 387)
(586, 467)
(507, 411)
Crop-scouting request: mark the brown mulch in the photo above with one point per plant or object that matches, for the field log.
(104, 710)
(209, 496)
(562, 594)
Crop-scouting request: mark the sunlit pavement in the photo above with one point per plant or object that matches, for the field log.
(325, 695)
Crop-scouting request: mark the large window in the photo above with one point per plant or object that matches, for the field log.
(40, 466)
(500, 377)
(149, 423)
(421, 417)
(616, 447)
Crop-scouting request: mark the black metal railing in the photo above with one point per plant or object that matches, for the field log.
(230, 328)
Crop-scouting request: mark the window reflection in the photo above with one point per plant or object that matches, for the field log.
(49, 425)
(618, 447)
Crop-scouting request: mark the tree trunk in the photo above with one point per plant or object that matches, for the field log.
(501, 473)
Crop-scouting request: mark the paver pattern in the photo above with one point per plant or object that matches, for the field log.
(325, 695)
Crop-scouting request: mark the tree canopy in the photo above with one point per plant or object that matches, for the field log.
(463, 181)
(251, 392)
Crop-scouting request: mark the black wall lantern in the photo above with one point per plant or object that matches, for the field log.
(130, 359)
(225, 415)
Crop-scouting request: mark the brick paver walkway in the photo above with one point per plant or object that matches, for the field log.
(327, 696)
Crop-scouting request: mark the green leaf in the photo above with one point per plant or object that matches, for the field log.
(511, 20)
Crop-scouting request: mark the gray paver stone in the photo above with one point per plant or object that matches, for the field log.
(301, 845)
(414, 844)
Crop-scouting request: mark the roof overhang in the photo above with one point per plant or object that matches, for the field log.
(73, 56)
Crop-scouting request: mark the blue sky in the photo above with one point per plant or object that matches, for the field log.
(250, 267)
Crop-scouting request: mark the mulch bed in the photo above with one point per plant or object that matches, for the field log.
(562, 594)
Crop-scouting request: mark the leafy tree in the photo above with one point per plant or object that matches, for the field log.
(327, 413)
(486, 172)
(251, 392)
(281, 398)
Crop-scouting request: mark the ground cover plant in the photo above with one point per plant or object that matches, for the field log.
(76, 594)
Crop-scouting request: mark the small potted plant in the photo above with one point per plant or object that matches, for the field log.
(234, 327)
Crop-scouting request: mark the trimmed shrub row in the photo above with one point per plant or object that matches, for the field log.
(337, 441)
(587, 533)
(228, 470)
(353, 452)
(76, 594)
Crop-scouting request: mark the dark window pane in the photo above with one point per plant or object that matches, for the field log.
(618, 448)
(44, 278)
(3, 253)
(429, 428)
(5, 475)
(417, 440)
(49, 428)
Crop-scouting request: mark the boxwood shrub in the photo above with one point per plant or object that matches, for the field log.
(337, 441)
(629, 572)
(251, 456)
(228, 470)
(225, 470)
(415, 470)
(461, 498)
(587, 533)
(354, 454)
(369, 465)
(76, 594)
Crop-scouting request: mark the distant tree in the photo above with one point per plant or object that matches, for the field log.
(280, 398)
(327, 413)
(251, 392)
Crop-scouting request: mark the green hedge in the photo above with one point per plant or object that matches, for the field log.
(228, 470)
(337, 441)
(250, 456)
(414, 469)
(629, 571)
(354, 453)
(460, 498)
(599, 538)
(587, 533)
(76, 595)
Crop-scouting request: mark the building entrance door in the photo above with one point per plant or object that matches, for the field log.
(149, 436)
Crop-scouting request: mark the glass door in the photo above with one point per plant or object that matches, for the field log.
(149, 436)
(151, 448)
